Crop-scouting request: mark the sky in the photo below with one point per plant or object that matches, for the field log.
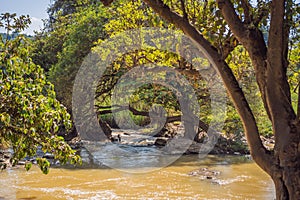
(36, 9)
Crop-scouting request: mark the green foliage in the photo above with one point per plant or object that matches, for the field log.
(294, 73)
(30, 115)
(62, 8)
(126, 15)
(240, 63)
(80, 25)
(207, 18)
(13, 23)
(75, 33)
(62, 50)
(135, 14)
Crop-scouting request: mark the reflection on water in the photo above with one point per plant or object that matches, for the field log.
(126, 158)
(239, 179)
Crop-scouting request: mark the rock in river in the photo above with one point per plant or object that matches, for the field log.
(205, 173)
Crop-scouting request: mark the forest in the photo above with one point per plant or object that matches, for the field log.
(247, 95)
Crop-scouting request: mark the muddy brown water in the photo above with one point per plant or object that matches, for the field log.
(240, 178)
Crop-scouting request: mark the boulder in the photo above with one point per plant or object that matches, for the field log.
(171, 130)
(205, 173)
(160, 142)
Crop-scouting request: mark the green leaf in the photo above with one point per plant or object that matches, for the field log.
(28, 165)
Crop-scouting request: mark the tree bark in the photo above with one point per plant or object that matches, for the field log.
(286, 170)
(298, 103)
(270, 64)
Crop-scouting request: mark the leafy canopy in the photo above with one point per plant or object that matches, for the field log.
(30, 115)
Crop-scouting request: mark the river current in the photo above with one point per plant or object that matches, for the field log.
(239, 178)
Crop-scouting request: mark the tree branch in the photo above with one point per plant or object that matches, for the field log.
(170, 119)
(259, 152)
(246, 7)
(185, 15)
(236, 25)
(275, 40)
(298, 106)
(107, 2)
(229, 45)
(278, 93)
(252, 39)
(263, 12)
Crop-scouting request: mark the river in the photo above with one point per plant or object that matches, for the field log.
(239, 178)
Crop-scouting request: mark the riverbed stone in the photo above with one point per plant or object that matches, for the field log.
(205, 173)
(160, 142)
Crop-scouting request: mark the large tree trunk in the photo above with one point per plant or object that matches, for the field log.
(286, 180)
(286, 169)
(260, 154)
(270, 64)
(282, 164)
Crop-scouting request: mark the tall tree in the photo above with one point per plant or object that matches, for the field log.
(60, 8)
(30, 115)
(270, 61)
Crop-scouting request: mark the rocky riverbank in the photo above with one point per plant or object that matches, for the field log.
(223, 146)
(4, 158)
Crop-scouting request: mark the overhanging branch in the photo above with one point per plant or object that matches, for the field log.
(252, 39)
(109, 109)
(260, 154)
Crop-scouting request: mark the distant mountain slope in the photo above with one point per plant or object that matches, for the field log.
(12, 36)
